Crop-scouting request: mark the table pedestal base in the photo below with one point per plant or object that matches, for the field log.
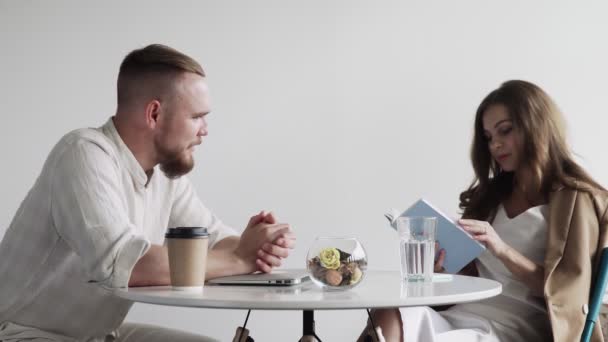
(309, 327)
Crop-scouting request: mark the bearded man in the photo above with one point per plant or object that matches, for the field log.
(95, 219)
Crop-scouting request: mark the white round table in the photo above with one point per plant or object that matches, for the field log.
(379, 289)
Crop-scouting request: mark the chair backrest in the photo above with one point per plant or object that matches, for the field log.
(597, 296)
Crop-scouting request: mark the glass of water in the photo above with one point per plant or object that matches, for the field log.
(417, 247)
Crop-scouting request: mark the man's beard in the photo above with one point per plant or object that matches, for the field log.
(174, 164)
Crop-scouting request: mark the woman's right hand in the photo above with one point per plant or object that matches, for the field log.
(440, 259)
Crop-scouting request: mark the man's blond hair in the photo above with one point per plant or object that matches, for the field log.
(155, 64)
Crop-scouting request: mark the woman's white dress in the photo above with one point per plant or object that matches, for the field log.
(514, 315)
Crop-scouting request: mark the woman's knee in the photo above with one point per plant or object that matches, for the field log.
(386, 316)
(390, 322)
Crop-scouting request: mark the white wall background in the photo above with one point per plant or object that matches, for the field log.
(327, 112)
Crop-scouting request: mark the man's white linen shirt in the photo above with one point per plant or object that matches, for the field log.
(91, 214)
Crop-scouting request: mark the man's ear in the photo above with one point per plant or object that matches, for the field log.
(152, 113)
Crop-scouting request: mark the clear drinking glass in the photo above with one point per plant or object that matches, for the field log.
(417, 247)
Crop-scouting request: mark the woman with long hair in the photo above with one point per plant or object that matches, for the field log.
(543, 220)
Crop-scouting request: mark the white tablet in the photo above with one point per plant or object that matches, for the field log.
(279, 277)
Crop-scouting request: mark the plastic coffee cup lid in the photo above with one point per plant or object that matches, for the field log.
(187, 233)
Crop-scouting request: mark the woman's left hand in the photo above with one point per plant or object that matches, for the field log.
(484, 232)
(440, 259)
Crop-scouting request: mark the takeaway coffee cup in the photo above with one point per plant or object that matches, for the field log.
(187, 257)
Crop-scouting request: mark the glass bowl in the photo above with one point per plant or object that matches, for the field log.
(336, 263)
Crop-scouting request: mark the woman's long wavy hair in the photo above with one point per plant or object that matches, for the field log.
(544, 152)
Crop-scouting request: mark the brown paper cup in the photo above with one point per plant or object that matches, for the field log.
(187, 257)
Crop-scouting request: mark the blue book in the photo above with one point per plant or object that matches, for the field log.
(460, 247)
